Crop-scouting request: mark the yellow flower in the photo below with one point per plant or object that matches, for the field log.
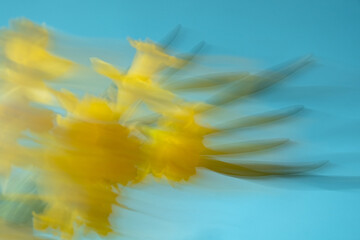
(88, 153)
(175, 148)
(16, 117)
(139, 82)
(27, 63)
(150, 59)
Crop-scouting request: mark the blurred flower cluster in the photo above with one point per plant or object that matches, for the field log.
(62, 170)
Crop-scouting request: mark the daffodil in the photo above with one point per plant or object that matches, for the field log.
(27, 63)
(139, 82)
(88, 154)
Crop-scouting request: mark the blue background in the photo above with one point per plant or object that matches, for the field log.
(270, 32)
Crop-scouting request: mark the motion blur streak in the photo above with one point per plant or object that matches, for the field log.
(67, 154)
